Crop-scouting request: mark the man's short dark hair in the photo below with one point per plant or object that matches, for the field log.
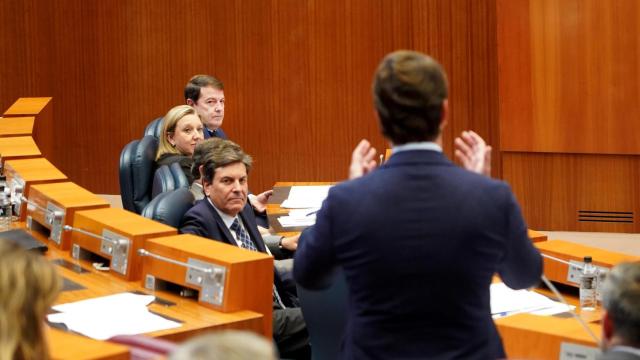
(620, 297)
(201, 152)
(192, 89)
(223, 153)
(409, 89)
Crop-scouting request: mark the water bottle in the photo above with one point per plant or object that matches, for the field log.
(5, 212)
(588, 285)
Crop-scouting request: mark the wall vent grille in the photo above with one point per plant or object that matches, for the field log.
(605, 216)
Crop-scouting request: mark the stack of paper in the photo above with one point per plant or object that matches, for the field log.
(104, 317)
(506, 301)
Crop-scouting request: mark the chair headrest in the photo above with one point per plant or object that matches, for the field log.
(154, 128)
(167, 178)
(137, 163)
(169, 207)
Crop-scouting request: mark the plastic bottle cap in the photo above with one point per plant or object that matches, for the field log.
(587, 259)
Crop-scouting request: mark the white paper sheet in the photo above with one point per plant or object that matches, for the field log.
(299, 217)
(304, 197)
(506, 301)
(104, 317)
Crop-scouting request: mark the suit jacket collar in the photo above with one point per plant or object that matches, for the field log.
(415, 157)
(249, 223)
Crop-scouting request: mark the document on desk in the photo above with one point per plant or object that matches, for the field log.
(506, 301)
(305, 197)
(299, 217)
(104, 317)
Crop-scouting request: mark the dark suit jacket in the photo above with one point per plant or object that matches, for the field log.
(419, 240)
(203, 220)
(217, 133)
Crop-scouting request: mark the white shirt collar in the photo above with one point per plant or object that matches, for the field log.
(422, 145)
(226, 218)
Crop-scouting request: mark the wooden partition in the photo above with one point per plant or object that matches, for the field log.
(297, 73)
(569, 109)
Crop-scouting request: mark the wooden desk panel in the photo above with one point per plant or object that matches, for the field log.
(565, 250)
(68, 346)
(27, 106)
(196, 319)
(44, 131)
(125, 223)
(527, 336)
(18, 147)
(16, 126)
(70, 198)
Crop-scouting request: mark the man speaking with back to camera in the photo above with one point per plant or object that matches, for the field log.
(418, 238)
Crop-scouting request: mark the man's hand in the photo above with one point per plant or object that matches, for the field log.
(260, 202)
(290, 242)
(362, 160)
(473, 153)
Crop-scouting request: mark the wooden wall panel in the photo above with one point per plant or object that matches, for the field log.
(569, 76)
(297, 73)
(576, 193)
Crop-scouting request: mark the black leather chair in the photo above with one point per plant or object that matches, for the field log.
(169, 207)
(137, 165)
(154, 128)
(325, 312)
(167, 178)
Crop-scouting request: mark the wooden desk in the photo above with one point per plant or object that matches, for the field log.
(196, 319)
(27, 106)
(16, 126)
(565, 250)
(18, 147)
(30, 172)
(527, 336)
(69, 198)
(135, 228)
(68, 346)
(42, 110)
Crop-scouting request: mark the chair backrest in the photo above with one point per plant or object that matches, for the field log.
(169, 207)
(137, 164)
(154, 128)
(325, 312)
(167, 178)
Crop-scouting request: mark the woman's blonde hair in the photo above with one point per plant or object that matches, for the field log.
(169, 123)
(29, 285)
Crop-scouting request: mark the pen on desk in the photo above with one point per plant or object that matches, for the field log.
(311, 213)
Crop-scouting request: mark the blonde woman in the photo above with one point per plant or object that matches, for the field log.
(29, 285)
(181, 132)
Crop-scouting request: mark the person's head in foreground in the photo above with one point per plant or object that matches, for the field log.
(621, 303)
(29, 285)
(226, 345)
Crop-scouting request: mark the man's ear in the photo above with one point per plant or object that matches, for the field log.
(190, 102)
(445, 114)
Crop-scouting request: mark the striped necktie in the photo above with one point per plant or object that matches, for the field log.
(246, 243)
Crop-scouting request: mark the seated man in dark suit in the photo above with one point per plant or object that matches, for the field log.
(621, 319)
(418, 238)
(206, 94)
(223, 215)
